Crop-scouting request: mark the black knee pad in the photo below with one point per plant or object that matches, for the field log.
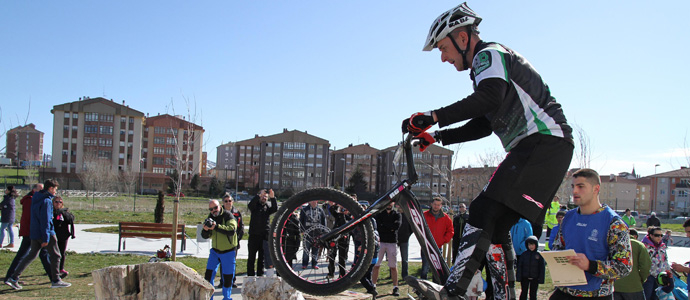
(208, 275)
(227, 280)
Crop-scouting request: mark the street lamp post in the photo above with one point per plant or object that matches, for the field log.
(656, 184)
(343, 186)
(237, 169)
(141, 186)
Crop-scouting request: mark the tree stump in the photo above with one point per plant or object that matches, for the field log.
(164, 280)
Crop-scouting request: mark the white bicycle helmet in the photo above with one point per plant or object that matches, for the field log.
(458, 16)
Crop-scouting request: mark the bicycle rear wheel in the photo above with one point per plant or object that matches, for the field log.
(286, 248)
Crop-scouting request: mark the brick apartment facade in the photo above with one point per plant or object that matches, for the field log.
(24, 143)
(169, 140)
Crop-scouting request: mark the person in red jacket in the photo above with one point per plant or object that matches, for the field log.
(441, 226)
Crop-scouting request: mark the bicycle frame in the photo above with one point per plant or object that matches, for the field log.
(403, 196)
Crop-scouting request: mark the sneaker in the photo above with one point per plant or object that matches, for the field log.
(396, 291)
(316, 267)
(13, 284)
(373, 292)
(430, 290)
(10, 245)
(60, 284)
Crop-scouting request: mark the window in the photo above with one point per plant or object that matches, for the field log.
(158, 150)
(122, 144)
(105, 154)
(105, 142)
(158, 160)
(75, 116)
(131, 120)
(66, 127)
(91, 129)
(75, 128)
(123, 120)
(106, 129)
(91, 116)
(122, 155)
(105, 118)
(131, 132)
(159, 140)
(67, 115)
(171, 141)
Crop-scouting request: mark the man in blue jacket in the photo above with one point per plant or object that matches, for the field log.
(42, 235)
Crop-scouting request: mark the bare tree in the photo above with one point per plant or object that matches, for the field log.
(97, 175)
(584, 153)
(127, 179)
(186, 144)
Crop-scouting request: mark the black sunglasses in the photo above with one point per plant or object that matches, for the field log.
(227, 201)
(213, 208)
(657, 235)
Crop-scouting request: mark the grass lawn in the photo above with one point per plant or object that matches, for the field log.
(80, 266)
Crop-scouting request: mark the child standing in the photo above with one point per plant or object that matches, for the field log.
(530, 270)
(63, 221)
(667, 239)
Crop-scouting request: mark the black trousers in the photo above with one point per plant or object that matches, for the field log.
(255, 245)
(531, 286)
(62, 246)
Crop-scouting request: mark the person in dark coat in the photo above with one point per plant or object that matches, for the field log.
(404, 234)
(261, 211)
(459, 222)
(653, 220)
(340, 217)
(63, 220)
(7, 216)
(292, 239)
(530, 269)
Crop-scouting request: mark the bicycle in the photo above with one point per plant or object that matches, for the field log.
(315, 281)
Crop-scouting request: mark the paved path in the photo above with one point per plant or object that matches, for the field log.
(89, 242)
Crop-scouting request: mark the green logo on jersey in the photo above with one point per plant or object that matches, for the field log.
(481, 62)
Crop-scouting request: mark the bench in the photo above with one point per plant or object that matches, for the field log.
(151, 231)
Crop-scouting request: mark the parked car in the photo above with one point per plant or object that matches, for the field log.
(149, 192)
(173, 194)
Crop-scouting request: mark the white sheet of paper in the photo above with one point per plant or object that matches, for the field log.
(562, 272)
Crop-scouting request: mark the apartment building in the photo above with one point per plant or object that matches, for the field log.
(670, 192)
(618, 192)
(344, 162)
(432, 166)
(643, 195)
(24, 144)
(96, 130)
(171, 142)
(289, 160)
(226, 161)
(468, 182)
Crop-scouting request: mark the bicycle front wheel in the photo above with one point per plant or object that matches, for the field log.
(316, 261)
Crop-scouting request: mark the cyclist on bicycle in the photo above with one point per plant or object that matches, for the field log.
(511, 100)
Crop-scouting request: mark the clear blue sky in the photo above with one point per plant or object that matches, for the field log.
(350, 71)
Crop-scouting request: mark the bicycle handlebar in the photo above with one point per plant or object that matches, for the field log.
(411, 171)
